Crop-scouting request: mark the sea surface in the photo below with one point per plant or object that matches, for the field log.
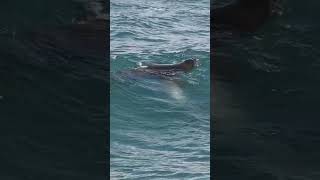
(266, 98)
(53, 92)
(160, 129)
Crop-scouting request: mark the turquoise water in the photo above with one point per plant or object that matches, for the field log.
(159, 128)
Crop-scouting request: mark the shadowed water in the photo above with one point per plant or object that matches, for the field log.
(159, 126)
(53, 98)
(266, 98)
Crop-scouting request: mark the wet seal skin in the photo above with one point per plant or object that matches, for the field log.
(167, 69)
(186, 66)
(159, 71)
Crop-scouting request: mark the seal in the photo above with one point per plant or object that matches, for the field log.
(245, 15)
(185, 66)
(159, 71)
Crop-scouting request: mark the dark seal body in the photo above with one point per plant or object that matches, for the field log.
(160, 71)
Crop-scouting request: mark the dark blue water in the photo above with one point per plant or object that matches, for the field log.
(266, 98)
(160, 128)
(53, 99)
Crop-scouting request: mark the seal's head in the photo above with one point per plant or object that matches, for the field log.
(189, 64)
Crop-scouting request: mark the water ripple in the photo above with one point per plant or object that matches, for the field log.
(159, 127)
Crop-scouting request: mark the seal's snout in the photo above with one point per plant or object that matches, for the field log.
(192, 62)
(189, 64)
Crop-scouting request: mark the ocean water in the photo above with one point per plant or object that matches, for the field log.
(53, 99)
(159, 128)
(266, 98)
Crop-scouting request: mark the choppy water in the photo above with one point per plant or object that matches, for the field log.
(266, 95)
(159, 128)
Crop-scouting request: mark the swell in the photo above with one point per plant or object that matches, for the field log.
(152, 119)
(167, 117)
(162, 23)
